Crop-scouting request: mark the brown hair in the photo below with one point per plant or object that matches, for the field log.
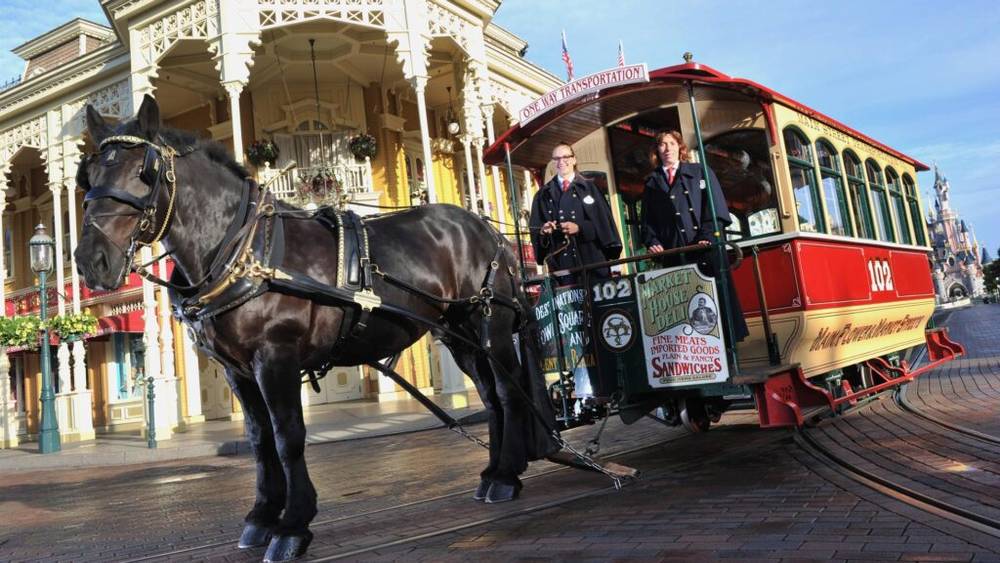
(654, 154)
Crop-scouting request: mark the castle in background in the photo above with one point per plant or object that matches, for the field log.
(958, 268)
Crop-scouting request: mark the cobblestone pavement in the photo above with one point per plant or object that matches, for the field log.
(737, 493)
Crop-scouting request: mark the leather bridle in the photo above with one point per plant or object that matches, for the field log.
(157, 171)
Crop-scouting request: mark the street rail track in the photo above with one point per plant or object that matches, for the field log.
(904, 403)
(230, 542)
(916, 499)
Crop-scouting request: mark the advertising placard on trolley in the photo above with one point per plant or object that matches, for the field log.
(590, 84)
(681, 331)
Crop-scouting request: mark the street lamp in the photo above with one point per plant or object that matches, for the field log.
(41, 248)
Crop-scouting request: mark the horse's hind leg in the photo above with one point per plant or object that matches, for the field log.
(263, 517)
(277, 373)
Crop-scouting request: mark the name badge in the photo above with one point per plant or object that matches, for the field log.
(589, 200)
(703, 184)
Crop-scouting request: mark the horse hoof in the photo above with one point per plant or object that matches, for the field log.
(254, 536)
(287, 548)
(482, 490)
(500, 492)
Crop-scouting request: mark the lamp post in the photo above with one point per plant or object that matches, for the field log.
(41, 248)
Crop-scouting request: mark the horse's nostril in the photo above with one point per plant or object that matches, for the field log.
(101, 262)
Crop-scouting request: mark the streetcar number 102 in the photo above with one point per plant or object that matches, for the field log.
(880, 275)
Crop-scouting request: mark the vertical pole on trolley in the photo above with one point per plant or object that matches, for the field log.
(515, 212)
(720, 249)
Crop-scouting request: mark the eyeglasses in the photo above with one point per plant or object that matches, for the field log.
(567, 157)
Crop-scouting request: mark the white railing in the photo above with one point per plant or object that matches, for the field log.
(296, 185)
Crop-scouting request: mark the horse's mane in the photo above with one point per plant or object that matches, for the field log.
(181, 140)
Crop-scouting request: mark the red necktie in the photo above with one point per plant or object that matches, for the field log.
(670, 175)
(565, 185)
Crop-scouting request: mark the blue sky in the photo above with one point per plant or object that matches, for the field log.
(920, 76)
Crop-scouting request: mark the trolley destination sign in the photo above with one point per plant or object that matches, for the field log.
(590, 84)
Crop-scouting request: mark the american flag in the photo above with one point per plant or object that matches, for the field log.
(566, 59)
(621, 54)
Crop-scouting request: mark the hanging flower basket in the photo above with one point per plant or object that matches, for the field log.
(74, 326)
(363, 146)
(20, 332)
(262, 151)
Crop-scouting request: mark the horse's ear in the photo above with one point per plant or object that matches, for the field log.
(82, 180)
(148, 118)
(98, 128)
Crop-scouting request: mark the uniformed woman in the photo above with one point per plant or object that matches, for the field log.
(571, 222)
(676, 213)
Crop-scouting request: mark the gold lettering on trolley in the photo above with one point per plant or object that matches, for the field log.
(828, 132)
(848, 334)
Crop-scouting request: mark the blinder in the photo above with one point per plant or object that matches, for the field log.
(150, 173)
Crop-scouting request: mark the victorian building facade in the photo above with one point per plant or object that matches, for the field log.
(956, 257)
(433, 81)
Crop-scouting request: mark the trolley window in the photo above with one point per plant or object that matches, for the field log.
(859, 196)
(911, 198)
(800, 166)
(833, 189)
(898, 205)
(883, 218)
(741, 161)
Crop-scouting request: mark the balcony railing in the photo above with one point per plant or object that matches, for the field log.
(301, 186)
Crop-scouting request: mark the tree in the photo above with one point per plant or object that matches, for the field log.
(991, 273)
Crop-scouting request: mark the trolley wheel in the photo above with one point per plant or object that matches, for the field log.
(694, 417)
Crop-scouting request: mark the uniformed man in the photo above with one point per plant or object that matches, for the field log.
(571, 223)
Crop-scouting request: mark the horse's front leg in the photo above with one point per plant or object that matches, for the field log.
(263, 517)
(276, 369)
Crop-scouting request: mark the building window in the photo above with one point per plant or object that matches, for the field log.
(8, 252)
(859, 196)
(910, 189)
(800, 167)
(883, 218)
(899, 205)
(128, 358)
(833, 190)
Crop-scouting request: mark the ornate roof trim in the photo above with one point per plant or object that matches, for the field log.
(65, 33)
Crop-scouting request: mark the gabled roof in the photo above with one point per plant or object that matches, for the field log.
(60, 35)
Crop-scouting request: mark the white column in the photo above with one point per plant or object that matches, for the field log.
(192, 378)
(82, 397)
(233, 89)
(470, 178)
(167, 366)
(152, 367)
(420, 86)
(64, 399)
(3, 241)
(494, 171)
(8, 405)
(481, 168)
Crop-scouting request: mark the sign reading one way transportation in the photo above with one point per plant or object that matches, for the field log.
(581, 87)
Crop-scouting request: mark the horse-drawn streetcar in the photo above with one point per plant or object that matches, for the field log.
(832, 271)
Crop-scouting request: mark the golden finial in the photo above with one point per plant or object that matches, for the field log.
(688, 57)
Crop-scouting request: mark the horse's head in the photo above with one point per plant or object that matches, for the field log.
(128, 185)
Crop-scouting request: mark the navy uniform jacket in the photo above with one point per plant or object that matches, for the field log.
(584, 205)
(679, 215)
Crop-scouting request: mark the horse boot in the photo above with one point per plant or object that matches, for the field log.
(287, 548)
(482, 490)
(502, 492)
(254, 535)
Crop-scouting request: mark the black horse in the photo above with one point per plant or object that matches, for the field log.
(187, 192)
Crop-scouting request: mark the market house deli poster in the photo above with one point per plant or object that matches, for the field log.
(681, 330)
